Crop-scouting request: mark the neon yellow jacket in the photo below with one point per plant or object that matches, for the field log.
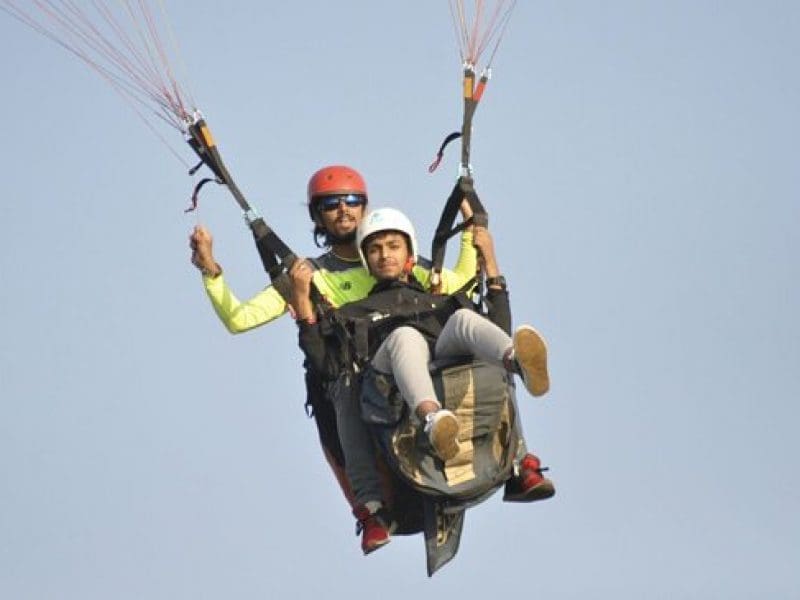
(340, 281)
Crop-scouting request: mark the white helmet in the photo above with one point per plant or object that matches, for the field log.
(385, 219)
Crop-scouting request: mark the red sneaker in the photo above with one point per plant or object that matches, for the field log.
(529, 485)
(373, 526)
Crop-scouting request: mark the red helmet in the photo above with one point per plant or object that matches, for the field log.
(335, 179)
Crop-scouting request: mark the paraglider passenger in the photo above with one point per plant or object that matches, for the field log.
(387, 245)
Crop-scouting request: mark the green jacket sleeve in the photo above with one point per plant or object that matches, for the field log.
(238, 316)
(465, 269)
(467, 263)
(466, 266)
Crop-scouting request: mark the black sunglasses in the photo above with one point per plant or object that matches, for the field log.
(329, 203)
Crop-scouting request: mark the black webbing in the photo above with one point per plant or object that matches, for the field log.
(196, 192)
(273, 267)
(440, 154)
(276, 256)
(466, 131)
(463, 190)
(266, 238)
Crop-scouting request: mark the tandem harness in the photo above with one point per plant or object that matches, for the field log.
(358, 329)
(430, 497)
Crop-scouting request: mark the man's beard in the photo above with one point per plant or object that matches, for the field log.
(338, 240)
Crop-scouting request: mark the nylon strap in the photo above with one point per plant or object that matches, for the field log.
(271, 248)
(472, 95)
(463, 190)
(440, 154)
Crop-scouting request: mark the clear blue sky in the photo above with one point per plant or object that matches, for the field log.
(640, 162)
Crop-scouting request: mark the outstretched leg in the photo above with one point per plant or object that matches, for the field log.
(467, 332)
(406, 355)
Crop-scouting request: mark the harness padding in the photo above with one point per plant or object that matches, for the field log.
(481, 396)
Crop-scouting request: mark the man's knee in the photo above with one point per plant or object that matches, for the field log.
(404, 335)
(463, 319)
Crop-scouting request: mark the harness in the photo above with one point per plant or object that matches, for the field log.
(359, 328)
(463, 190)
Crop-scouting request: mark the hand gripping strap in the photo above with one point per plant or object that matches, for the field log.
(463, 190)
(276, 257)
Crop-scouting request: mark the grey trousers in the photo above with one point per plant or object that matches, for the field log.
(405, 353)
(357, 445)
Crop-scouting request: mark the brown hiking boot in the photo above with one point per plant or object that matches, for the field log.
(530, 357)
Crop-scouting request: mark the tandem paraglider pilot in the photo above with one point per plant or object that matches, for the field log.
(408, 327)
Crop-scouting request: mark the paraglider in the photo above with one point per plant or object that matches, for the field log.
(129, 45)
(437, 477)
(451, 438)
